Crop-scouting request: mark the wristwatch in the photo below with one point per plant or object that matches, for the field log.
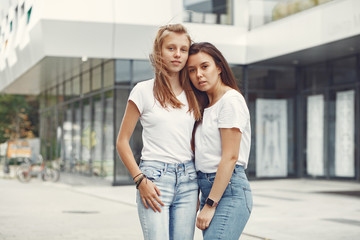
(211, 202)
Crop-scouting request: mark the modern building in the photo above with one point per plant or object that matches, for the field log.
(297, 62)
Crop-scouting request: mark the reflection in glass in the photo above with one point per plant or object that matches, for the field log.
(208, 11)
(67, 135)
(122, 71)
(109, 74)
(142, 71)
(108, 164)
(96, 137)
(345, 134)
(86, 134)
(315, 135)
(271, 138)
(77, 136)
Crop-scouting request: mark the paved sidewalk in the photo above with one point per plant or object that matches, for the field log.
(72, 209)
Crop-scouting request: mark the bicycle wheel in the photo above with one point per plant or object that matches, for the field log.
(50, 175)
(23, 173)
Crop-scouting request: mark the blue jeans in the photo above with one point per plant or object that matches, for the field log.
(234, 208)
(179, 192)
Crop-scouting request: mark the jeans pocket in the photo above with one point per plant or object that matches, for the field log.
(248, 198)
(192, 174)
(152, 173)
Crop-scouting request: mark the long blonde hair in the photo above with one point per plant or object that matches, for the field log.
(162, 89)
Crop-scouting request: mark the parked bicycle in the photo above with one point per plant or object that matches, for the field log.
(28, 170)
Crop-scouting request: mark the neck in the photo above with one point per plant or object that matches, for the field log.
(219, 90)
(174, 80)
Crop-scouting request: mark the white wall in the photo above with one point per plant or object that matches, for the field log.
(125, 29)
(317, 26)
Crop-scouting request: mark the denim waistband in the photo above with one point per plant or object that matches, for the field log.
(237, 169)
(168, 166)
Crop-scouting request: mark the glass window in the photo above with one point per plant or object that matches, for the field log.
(67, 135)
(122, 175)
(86, 134)
(51, 95)
(265, 11)
(77, 135)
(208, 11)
(142, 71)
(109, 74)
(108, 164)
(60, 92)
(122, 71)
(271, 78)
(68, 90)
(96, 137)
(76, 86)
(86, 87)
(344, 70)
(316, 77)
(96, 78)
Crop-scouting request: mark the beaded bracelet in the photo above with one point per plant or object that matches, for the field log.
(139, 181)
(137, 175)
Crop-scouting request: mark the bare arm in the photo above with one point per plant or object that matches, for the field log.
(148, 190)
(230, 142)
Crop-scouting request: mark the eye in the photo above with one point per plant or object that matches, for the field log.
(191, 70)
(184, 50)
(204, 66)
(171, 48)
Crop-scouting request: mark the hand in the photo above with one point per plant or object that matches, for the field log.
(205, 216)
(149, 194)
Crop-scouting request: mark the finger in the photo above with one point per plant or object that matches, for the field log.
(156, 205)
(144, 202)
(157, 199)
(157, 191)
(151, 204)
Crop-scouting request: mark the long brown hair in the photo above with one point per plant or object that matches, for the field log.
(227, 77)
(162, 89)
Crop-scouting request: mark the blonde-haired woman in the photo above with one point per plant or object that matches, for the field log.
(167, 107)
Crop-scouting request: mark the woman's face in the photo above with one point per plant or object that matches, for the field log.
(203, 72)
(174, 51)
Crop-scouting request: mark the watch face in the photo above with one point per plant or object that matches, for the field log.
(210, 202)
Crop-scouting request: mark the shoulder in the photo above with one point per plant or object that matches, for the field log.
(233, 96)
(145, 84)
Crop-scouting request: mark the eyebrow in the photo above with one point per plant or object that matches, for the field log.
(200, 64)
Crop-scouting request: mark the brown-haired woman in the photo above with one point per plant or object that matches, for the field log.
(167, 107)
(222, 145)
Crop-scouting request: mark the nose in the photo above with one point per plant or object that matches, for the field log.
(198, 73)
(177, 53)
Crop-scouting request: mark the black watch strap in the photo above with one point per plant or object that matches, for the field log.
(211, 202)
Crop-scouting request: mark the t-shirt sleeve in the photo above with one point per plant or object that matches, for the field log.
(233, 113)
(137, 96)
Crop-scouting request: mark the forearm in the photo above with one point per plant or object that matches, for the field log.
(127, 157)
(222, 178)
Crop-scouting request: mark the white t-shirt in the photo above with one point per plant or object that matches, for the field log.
(230, 111)
(166, 132)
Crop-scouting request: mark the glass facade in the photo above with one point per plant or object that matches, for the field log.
(262, 12)
(81, 116)
(208, 11)
(304, 119)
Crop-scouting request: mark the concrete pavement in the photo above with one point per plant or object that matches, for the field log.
(76, 208)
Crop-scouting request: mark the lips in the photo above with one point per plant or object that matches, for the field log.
(176, 63)
(201, 83)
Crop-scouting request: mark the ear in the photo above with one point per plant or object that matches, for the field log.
(218, 69)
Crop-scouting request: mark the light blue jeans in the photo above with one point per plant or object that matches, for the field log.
(234, 208)
(179, 192)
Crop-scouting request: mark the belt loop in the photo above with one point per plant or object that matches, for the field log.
(165, 168)
(185, 168)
